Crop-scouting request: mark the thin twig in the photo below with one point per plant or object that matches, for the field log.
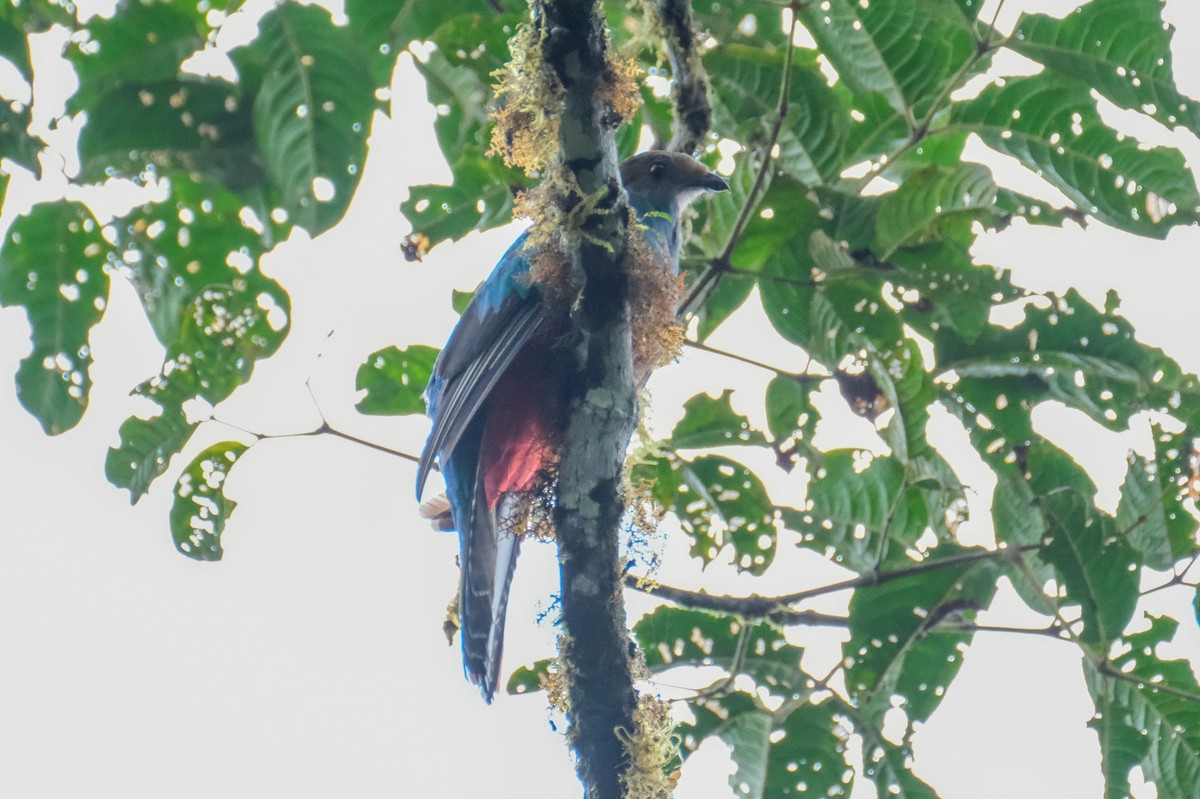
(762, 607)
(797, 376)
(323, 430)
(721, 263)
(1107, 670)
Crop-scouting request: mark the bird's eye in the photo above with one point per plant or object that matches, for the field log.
(657, 170)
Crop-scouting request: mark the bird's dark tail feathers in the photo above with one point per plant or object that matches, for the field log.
(489, 557)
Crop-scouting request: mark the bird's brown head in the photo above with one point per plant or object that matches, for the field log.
(664, 181)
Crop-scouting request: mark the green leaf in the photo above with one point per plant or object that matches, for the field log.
(1152, 516)
(529, 679)
(1121, 48)
(145, 449)
(201, 125)
(194, 263)
(857, 507)
(480, 199)
(873, 48)
(14, 47)
(709, 422)
(672, 637)
(142, 42)
(904, 648)
(395, 380)
(749, 22)
(1152, 718)
(941, 287)
(721, 503)
(1050, 124)
(312, 114)
(1018, 520)
(730, 294)
(930, 200)
(199, 239)
(16, 143)
(796, 751)
(1099, 569)
(459, 300)
(53, 263)
(746, 81)
(1014, 204)
(201, 509)
(789, 409)
(1069, 351)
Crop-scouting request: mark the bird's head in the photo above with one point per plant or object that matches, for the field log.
(666, 182)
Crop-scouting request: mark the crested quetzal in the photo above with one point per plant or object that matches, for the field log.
(496, 400)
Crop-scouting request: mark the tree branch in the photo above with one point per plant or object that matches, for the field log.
(762, 607)
(689, 81)
(601, 403)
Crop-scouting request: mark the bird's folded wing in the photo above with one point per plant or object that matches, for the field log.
(498, 339)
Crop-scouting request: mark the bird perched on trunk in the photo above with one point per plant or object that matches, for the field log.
(496, 400)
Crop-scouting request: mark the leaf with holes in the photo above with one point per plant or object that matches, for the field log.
(53, 264)
(904, 640)
(1011, 204)
(872, 47)
(1152, 515)
(145, 449)
(746, 81)
(201, 509)
(480, 199)
(1071, 351)
(1151, 717)
(796, 751)
(141, 42)
(201, 237)
(1050, 124)
(1099, 569)
(861, 513)
(193, 260)
(400, 22)
(709, 422)
(395, 380)
(529, 679)
(672, 637)
(1121, 48)
(940, 286)
(201, 125)
(312, 113)
(721, 503)
(932, 201)
(750, 22)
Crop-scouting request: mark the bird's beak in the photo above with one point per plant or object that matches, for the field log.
(713, 182)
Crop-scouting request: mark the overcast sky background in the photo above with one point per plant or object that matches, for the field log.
(311, 661)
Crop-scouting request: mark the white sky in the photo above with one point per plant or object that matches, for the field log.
(311, 662)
